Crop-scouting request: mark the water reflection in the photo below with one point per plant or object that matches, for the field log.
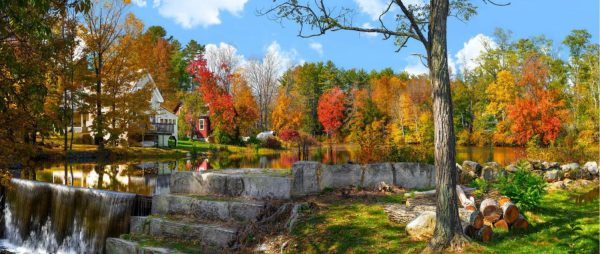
(152, 177)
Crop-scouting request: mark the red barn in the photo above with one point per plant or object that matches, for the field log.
(201, 128)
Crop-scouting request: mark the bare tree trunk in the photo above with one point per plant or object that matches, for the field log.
(99, 139)
(66, 125)
(448, 230)
(72, 119)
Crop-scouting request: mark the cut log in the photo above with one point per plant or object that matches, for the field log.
(469, 230)
(491, 219)
(501, 224)
(520, 223)
(489, 207)
(462, 197)
(484, 234)
(510, 212)
(471, 208)
(476, 220)
(503, 200)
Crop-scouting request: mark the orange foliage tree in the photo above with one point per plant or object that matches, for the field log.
(540, 112)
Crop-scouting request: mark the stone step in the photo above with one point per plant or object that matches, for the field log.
(207, 208)
(248, 183)
(211, 235)
(122, 246)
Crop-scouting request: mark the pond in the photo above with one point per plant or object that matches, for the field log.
(152, 177)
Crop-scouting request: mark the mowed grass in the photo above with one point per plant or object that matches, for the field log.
(201, 146)
(355, 226)
(351, 226)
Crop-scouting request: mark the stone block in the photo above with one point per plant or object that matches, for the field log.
(339, 176)
(306, 178)
(376, 173)
(414, 175)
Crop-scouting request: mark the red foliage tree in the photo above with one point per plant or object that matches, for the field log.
(331, 110)
(540, 112)
(220, 103)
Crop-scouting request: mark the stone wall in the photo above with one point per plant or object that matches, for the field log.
(313, 177)
(307, 177)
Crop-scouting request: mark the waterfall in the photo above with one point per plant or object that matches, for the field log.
(49, 218)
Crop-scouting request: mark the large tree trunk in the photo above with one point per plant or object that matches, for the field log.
(448, 229)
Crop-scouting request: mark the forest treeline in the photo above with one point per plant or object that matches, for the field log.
(63, 58)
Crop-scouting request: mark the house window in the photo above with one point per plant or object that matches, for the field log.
(201, 124)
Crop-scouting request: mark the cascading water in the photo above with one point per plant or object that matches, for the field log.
(49, 218)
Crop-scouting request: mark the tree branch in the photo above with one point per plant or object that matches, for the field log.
(414, 24)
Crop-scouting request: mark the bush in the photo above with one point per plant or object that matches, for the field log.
(272, 143)
(524, 187)
(481, 185)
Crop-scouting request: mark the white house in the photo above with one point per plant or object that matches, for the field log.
(163, 125)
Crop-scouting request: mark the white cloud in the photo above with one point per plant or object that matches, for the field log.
(415, 67)
(191, 13)
(374, 8)
(368, 25)
(467, 57)
(140, 3)
(285, 58)
(217, 55)
(317, 47)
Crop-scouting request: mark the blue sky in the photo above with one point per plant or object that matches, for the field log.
(235, 22)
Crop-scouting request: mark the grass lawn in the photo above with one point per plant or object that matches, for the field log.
(201, 146)
(361, 226)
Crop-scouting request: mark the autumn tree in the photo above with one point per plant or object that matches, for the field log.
(427, 24)
(501, 94)
(540, 112)
(331, 113)
(263, 77)
(127, 86)
(229, 110)
(101, 31)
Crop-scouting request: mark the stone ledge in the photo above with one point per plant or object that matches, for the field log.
(204, 209)
(313, 177)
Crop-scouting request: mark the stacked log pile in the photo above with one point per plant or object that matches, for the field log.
(501, 214)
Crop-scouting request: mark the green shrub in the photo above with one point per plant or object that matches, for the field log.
(481, 185)
(524, 187)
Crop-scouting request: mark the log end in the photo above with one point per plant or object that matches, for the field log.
(502, 225)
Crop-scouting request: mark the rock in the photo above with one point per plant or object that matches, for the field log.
(120, 246)
(569, 167)
(465, 176)
(414, 175)
(511, 168)
(137, 224)
(550, 165)
(383, 187)
(552, 175)
(206, 208)
(490, 171)
(472, 166)
(421, 228)
(590, 169)
(559, 185)
(155, 250)
(305, 177)
(567, 182)
(374, 174)
(340, 176)
(536, 164)
(251, 183)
